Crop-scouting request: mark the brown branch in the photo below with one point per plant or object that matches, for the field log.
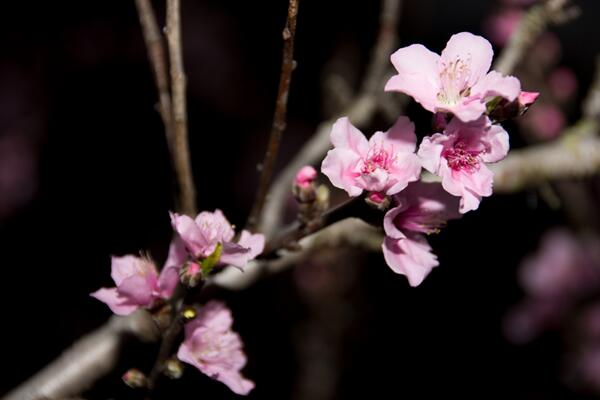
(87, 360)
(166, 348)
(532, 25)
(158, 61)
(181, 154)
(287, 67)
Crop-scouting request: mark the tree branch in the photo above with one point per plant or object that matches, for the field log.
(158, 61)
(279, 124)
(90, 358)
(181, 154)
(532, 25)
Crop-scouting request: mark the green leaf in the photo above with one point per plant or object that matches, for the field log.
(212, 260)
(493, 103)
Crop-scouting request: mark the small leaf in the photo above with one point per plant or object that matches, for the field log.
(212, 260)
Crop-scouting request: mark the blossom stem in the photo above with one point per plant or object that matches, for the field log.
(279, 118)
(355, 207)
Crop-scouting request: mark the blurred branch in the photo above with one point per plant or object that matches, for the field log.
(576, 154)
(360, 111)
(158, 61)
(287, 67)
(350, 231)
(591, 104)
(87, 360)
(181, 154)
(532, 25)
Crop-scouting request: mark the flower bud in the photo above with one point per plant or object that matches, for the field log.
(378, 201)
(173, 368)
(191, 274)
(135, 378)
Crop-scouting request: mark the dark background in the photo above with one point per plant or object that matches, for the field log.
(74, 78)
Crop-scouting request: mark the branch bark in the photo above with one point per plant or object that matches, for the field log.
(279, 124)
(181, 154)
(91, 357)
(158, 62)
(532, 25)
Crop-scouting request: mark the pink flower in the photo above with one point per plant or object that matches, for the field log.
(458, 81)
(459, 155)
(385, 163)
(211, 346)
(138, 282)
(305, 176)
(202, 235)
(423, 208)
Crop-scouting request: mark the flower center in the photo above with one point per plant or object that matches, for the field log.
(461, 159)
(454, 78)
(376, 158)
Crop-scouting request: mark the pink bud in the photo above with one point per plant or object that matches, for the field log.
(377, 197)
(306, 176)
(528, 98)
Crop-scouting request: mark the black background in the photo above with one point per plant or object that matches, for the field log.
(75, 75)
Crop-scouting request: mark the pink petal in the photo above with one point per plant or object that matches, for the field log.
(137, 289)
(418, 75)
(402, 136)
(406, 169)
(123, 267)
(430, 152)
(411, 256)
(468, 110)
(497, 142)
(169, 275)
(495, 84)
(469, 201)
(254, 242)
(473, 50)
(234, 254)
(390, 228)
(236, 382)
(214, 227)
(338, 166)
(344, 135)
(190, 233)
(118, 304)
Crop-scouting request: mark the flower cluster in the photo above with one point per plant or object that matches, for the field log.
(200, 245)
(466, 98)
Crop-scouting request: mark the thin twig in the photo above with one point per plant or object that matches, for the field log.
(532, 25)
(287, 67)
(158, 61)
(181, 155)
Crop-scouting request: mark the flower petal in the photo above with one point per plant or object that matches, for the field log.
(338, 166)
(118, 304)
(418, 75)
(495, 84)
(411, 256)
(344, 135)
(475, 51)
